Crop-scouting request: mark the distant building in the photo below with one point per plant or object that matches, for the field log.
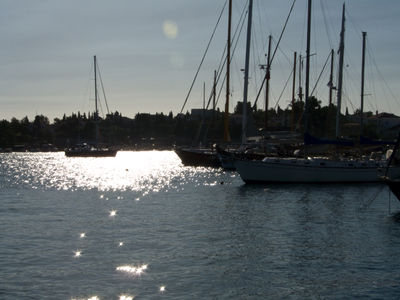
(386, 124)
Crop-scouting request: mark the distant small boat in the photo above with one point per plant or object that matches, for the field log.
(84, 149)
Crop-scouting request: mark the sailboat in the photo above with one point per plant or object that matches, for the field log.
(84, 149)
(315, 169)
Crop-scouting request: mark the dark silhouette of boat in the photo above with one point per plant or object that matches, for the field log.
(84, 149)
(198, 157)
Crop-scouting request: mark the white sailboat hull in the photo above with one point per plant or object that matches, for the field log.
(311, 171)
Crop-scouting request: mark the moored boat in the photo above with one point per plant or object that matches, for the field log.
(84, 149)
(312, 170)
(198, 157)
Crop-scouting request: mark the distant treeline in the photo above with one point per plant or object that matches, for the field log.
(160, 130)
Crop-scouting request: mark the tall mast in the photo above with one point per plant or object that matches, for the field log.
(331, 77)
(340, 79)
(300, 82)
(293, 89)
(96, 113)
(362, 84)
(246, 72)
(268, 76)
(95, 85)
(227, 137)
(307, 66)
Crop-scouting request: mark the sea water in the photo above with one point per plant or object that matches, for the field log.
(143, 226)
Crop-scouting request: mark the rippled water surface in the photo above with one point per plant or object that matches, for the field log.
(142, 226)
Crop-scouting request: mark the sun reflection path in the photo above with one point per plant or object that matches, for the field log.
(143, 171)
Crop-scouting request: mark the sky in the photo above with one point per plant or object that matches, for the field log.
(148, 53)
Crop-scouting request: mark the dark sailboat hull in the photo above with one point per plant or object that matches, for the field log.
(394, 186)
(198, 157)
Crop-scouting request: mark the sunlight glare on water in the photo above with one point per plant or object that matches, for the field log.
(145, 171)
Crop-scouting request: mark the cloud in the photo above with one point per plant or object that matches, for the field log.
(170, 29)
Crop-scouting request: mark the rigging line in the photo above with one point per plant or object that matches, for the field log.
(223, 60)
(284, 88)
(326, 23)
(237, 31)
(276, 48)
(102, 88)
(202, 60)
(380, 74)
(283, 30)
(320, 74)
(287, 58)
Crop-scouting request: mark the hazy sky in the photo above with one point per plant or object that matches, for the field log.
(148, 53)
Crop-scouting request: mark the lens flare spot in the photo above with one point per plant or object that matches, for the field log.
(176, 60)
(170, 29)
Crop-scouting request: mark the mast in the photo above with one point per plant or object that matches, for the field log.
(214, 94)
(331, 77)
(340, 82)
(227, 137)
(95, 85)
(300, 82)
(246, 72)
(364, 34)
(96, 113)
(268, 76)
(307, 67)
(293, 89)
